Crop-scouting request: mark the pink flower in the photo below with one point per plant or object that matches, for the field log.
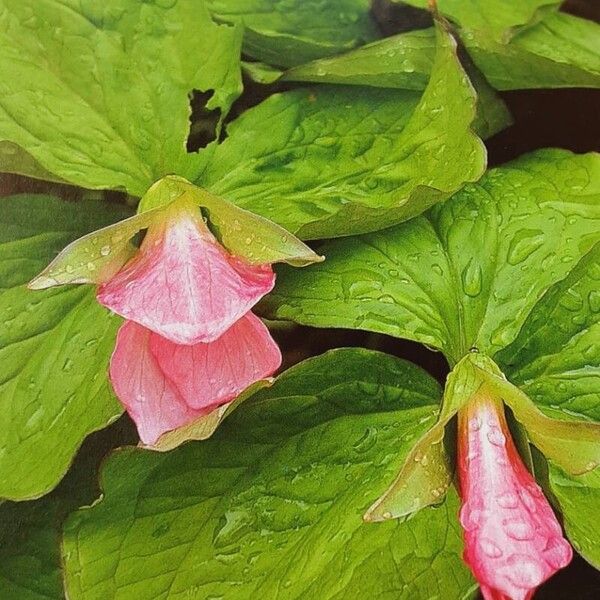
(190, 343)
(513, 542)
(164, 385)
(182, 284)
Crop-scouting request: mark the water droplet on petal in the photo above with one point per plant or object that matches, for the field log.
(496, 437)
(508, 500)
(475, 424)
(518, 529)
(490, 548)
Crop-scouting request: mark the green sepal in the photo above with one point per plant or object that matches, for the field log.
(572, 445)
(243, 233)
(427, 472)
(96, 257)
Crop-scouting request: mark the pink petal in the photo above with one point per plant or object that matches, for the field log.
(151, 400)
(207, 375)
(183, 285)
(513, 541)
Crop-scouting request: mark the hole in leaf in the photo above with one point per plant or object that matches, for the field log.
(203, 122)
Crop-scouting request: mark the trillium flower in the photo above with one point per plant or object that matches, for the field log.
(182, 284)
(513, 541)
(190, 342)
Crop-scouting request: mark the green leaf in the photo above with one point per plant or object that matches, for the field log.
(54, 346)
(338, 161)
(29, 550)
(271, 506)
(556, 357)
(13, 159)
(469, 272)
(559, 51)
(403, 61)
(579, 500)
(31, 532)
(97, 93)
(261, 72)
(497, 18)
(290, 32)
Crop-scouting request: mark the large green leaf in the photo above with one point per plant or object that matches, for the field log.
(271, 506)
(290, 32)
(29, 549)
(559, 51)
(497, 18)
(31, 532)
(556, 356)
(469, 272)
(336, 161)
(97, 92)
(54, 346)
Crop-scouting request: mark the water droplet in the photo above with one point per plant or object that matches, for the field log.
(594, 301)
(508, 500)
(475, 424)
(366, 441)
(471, 279)
(496, 437)
(105, 250)
(525, 572)
(524, 244)
(490, 548)
(572, 300)
(518, 529)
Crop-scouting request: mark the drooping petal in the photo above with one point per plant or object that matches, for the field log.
(152, 401)
(209, 374)
(183, 285)
(513, 541)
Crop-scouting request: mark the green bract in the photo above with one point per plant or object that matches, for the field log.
(96, 257)
(54, 346)
(100, 100)
(339, 161)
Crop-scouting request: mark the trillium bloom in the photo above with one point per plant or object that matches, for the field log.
(182, 284)
(164, 385)
(190, 343)
(513, 541)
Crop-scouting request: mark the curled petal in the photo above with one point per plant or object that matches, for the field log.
(513, 541)
(207, 375)
(183, 285)
(152, 400)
